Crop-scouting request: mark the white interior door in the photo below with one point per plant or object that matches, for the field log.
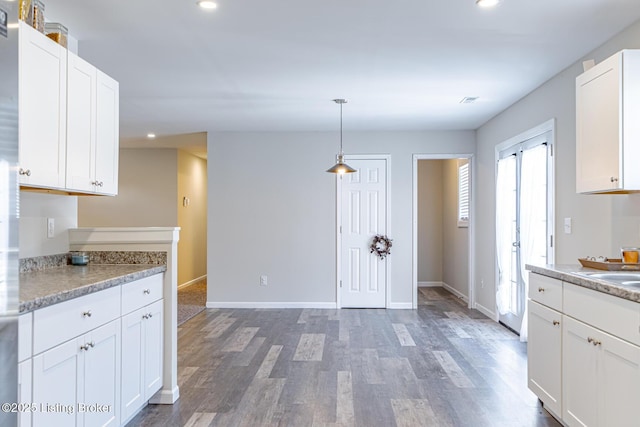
(363, 214)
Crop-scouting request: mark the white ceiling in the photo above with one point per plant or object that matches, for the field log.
(256, 65)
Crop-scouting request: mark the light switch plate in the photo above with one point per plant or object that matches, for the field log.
(567, 226)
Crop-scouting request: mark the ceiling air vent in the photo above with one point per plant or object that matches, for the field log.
(468, 100)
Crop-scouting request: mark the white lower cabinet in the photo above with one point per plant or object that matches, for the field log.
(78, 382)
(545, 356)
(584, 354)
(24, 392)
(97, 359)
(141, 357)
(601, 377)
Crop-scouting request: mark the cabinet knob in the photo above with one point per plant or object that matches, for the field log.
(540, 289)
(86, 313)
(26, 172)
(556, 323)
(146, 291)
(145, 316)
(614, 179)
(85, 347)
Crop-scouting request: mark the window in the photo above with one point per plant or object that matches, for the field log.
(463, 194)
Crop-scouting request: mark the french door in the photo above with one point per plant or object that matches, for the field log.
(523, 223)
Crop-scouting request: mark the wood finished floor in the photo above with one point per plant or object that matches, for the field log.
(440, 365)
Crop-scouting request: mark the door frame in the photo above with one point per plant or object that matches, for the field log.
(347, 157)
(471, 303)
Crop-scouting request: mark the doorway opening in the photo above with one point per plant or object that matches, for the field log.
(443, 231)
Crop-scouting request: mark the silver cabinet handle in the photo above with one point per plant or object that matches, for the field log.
(147, 316)
(614, 179)
(88, 345)
(540, 289)
(86, 313)
(146, 291)
(26, 172)
(556, 323)
(589, 340)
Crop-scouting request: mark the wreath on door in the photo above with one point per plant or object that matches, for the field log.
(381, 246)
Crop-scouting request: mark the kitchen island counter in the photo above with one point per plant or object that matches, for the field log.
(578, 275)
(40, 289)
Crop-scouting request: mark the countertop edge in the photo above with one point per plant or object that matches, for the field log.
(46, 301)
(567, 273)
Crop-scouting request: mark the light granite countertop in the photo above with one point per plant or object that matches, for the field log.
(571, 274)
(53, 285)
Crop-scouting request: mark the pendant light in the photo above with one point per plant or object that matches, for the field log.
(340, 167)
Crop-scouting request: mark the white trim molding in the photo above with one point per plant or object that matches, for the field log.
(321, 305)
(191, 282)
(455, 292)
(430, 284)
(484, 310)
(400, 306)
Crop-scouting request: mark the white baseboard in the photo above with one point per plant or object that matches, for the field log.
(191, 282)
(455, 292)
(400, 306)
(430, 284)
(484, 310)
(217, 304)
(165, 397)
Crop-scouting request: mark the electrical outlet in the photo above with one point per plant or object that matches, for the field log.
(51, 228)
(481, 283)
(263, 281)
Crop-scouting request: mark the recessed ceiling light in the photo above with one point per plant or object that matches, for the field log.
(487, 3)
(151, 135)
(207, 4)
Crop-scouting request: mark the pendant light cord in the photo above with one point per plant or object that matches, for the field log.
(341, 152)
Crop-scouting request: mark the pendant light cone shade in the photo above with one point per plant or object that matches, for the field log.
(340, 167)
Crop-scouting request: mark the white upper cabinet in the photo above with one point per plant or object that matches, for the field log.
(92, 129)
(107, 134)
(607, 125)
(81, 124)
(42, 109)
(69, 120)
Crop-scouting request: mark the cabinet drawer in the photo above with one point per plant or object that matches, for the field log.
(141, 292)
(25, 334)
(617, 316)
(545, 290)
(61, 322)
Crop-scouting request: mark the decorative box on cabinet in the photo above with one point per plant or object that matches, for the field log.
(607, 126)
(42, 110)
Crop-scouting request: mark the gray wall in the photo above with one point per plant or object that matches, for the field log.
(600, 223)
(455, 259)
(430, 228)
(272, 211)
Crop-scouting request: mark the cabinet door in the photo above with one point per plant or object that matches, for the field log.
(81, 124)
(107, 134)
(132, 396)
(579, 373)
(24, 392)
(57, 379)
(42, 109)
(101, 377)
(545, 356)
(598, 126)
(153, 348)
(619, 382)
